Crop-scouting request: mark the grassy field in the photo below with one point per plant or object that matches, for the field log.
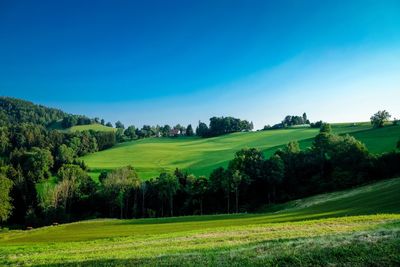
(79, 128)
(94, 127)
(352, 227)
(200, 156)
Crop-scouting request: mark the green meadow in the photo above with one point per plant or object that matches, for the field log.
(80, 128)
(360, 226)
(200, 156)
(94, 127)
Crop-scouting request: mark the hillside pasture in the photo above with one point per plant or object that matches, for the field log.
(341, 227)
(200, 156)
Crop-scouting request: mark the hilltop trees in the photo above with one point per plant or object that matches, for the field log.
(379, 118)
(293, 120)
(119, 125)
(130, 132)
(189, 130)
(202, 129)
(14, 111)
(223, 125)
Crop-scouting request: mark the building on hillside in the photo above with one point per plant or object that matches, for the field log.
(174, 132)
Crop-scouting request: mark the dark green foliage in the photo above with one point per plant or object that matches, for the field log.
(198, 188)
(65, 155)
(5, 142)
(189, 130)
(165, 130)
(84, 143)
(104, 140)
(118, 186)
(130, 132)
(379, 118)
(202, 129)
(119, 135)
(295, 120)
(220, 184)
(5, 198)
(69, 121)
(290, 120)
(223, 125)
(167, 186)
(316, 124)
(14, 111)
(72, 120)
(119, 125)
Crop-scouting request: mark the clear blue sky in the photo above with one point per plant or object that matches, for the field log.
(181, 61)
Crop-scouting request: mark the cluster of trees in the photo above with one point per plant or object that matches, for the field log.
(288, 121)
(72, 120)
(295, 120)
(223, 125)
(218, 126)
(13, 111)
(380, 118)
(377, 121)
(133, 133)
(29, 153)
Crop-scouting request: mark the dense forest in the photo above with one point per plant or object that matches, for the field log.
(31, 152)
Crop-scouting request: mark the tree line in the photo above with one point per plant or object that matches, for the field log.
(217, 126)
(223, 125)
(133, 133)
(288, 121)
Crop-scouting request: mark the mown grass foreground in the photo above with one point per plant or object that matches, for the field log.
(200, 156)
(353, 227)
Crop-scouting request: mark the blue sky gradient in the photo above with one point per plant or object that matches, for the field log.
(159, 62)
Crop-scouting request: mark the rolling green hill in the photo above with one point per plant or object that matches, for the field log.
(200, 156)
(341, 228)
